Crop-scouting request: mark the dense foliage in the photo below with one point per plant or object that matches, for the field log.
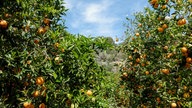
(42, 65)
(159, 56)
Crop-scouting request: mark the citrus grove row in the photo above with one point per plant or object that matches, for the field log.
(44, 66)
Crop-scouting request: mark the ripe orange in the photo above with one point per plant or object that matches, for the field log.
(188, 59)
(42, 105)
(184, 50)
(140, 25)
(156, 5)
(159, 18)
(165, 71)
(187, 65)
(29, 62)
(56, 44)
(130, 57)
(184, 87)
(89, 92)
(147, 62)
(158, 99)
(153, 2)
(165, 47)
(169, 55)
(41, 30)
(32, 106)
(142, 64)
(26, 104)
(36, 93)
(164, 7)
(160, 29)
(183, 21)
(3, 24)
(36, 41)
(137, 34)
(186, 95)
(7, 15)
(179, 22)
(173, 105)
(62, 50)
(46, 21)
(164, 26)
(56, 58)
(138, 60)
(125, 74)
(147, 72)
(39, 80)
(135, 50)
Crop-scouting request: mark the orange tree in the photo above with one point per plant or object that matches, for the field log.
(158, 67)
(42, 65)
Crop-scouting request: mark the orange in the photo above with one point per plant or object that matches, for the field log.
(3, 24)
(138, 60)
(42, 105)
(173, 105)
(186, 95)
(184, 50)
(169, 55)
(137, 34)
(142, 64)
(183, 21)
(188, 60)
(39, 80)
(62, 50)
(29, 62)
(41, 30)
(179, 22)
(46, 21)
(164, 26)
(36, 93)
(156, 5)
(164, 7)
(130, 57)
(158, 99)
(165, 47)
(56, 44)
(125, 74)
(36, 41)
(153, 2)
(160, 29)
(184, 87)
(26, 104)
(187, 65)
(89, 92)
(165, 71)
(147, 72)
(7, 15)
(140, 25)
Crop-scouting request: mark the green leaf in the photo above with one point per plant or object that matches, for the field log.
(54, 75)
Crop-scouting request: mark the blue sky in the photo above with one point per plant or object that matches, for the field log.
(100, 17)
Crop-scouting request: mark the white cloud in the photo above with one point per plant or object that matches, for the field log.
(99, 17)
(98, 13)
